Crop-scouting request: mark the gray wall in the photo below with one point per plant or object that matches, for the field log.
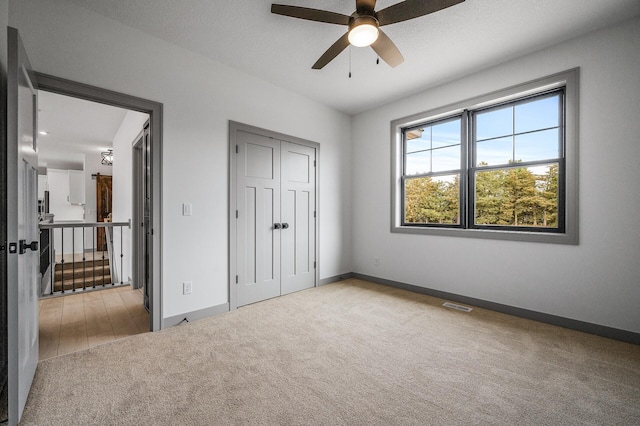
(597, 281)
(200, 96)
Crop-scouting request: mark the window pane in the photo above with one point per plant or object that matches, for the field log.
(432, 200)
(446, 159)
(445, 134)
(494, 123)
(525, 196)
(418, 144)
(494, 152)
(543, 145)
(418, 163)
(538, 114)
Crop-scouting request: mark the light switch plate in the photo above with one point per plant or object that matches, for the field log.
(187, 287)
(187, 209)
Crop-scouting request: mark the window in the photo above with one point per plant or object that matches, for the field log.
(499, 166)
(432, 155)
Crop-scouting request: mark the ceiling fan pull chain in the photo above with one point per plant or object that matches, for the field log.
(378, 60)
(349, 61)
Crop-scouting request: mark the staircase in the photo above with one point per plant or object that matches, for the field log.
(82, 274)
(76, 262)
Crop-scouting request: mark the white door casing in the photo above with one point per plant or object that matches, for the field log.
(23, 259)
(273, 230)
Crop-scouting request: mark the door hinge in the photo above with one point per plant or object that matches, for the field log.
(236, 279)
(236, 214)
(236, 149)
(314, 264)
(314, 163)
(314, 214)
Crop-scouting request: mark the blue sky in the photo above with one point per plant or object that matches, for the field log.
(528, 132)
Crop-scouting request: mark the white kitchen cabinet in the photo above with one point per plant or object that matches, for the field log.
(76, 187)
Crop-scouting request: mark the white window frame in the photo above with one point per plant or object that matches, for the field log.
(567, 79)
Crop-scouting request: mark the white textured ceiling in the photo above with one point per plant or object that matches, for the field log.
(75, 128)
(439, 47)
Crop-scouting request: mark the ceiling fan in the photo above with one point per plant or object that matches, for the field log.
(364, 25)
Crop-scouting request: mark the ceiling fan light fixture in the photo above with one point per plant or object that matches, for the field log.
(364, 31)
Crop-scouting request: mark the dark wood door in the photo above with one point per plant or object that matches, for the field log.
(104, 207)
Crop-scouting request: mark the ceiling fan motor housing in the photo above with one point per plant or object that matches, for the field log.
(363, 30)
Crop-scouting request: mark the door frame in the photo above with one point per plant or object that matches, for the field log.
(234, 127)
(136, 206)
(155, 111)
(139, 234)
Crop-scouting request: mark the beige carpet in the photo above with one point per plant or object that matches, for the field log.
(347, 353)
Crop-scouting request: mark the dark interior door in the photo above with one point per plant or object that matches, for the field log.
(104, 207)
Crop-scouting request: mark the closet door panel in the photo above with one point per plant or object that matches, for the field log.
(258, 204)
(297, 215)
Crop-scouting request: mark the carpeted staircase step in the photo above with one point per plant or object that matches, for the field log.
(82, 274)
(87, 271)
(87, 282)
(78, 263)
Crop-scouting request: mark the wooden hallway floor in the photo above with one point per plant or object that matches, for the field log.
(81, 321)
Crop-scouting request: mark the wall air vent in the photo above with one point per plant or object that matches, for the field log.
(457, 307)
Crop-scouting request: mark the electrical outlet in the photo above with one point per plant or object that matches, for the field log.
(187, 287)
(376, 261)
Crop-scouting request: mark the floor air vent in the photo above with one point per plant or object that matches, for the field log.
(457, 307)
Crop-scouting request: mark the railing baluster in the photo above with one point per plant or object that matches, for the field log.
(62, 261)
(52, 257)
(84, 263)
(104, 234)
(73, 259)
(111, 257)
(121, 257)
(93, 261)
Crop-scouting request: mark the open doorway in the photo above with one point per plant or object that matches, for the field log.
(85, 199)
(154, 110)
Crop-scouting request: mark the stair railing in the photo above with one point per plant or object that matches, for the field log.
(83, 243)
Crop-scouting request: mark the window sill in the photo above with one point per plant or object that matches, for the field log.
(490, 234)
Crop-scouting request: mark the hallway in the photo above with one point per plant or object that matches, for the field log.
(81, 321)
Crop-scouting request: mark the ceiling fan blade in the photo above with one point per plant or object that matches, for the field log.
(365, 5)
(410, 9)
(332, 52)
(388, 51)
(310, 14)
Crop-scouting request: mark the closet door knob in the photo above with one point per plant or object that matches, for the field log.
(277, 225)
(285, 225)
